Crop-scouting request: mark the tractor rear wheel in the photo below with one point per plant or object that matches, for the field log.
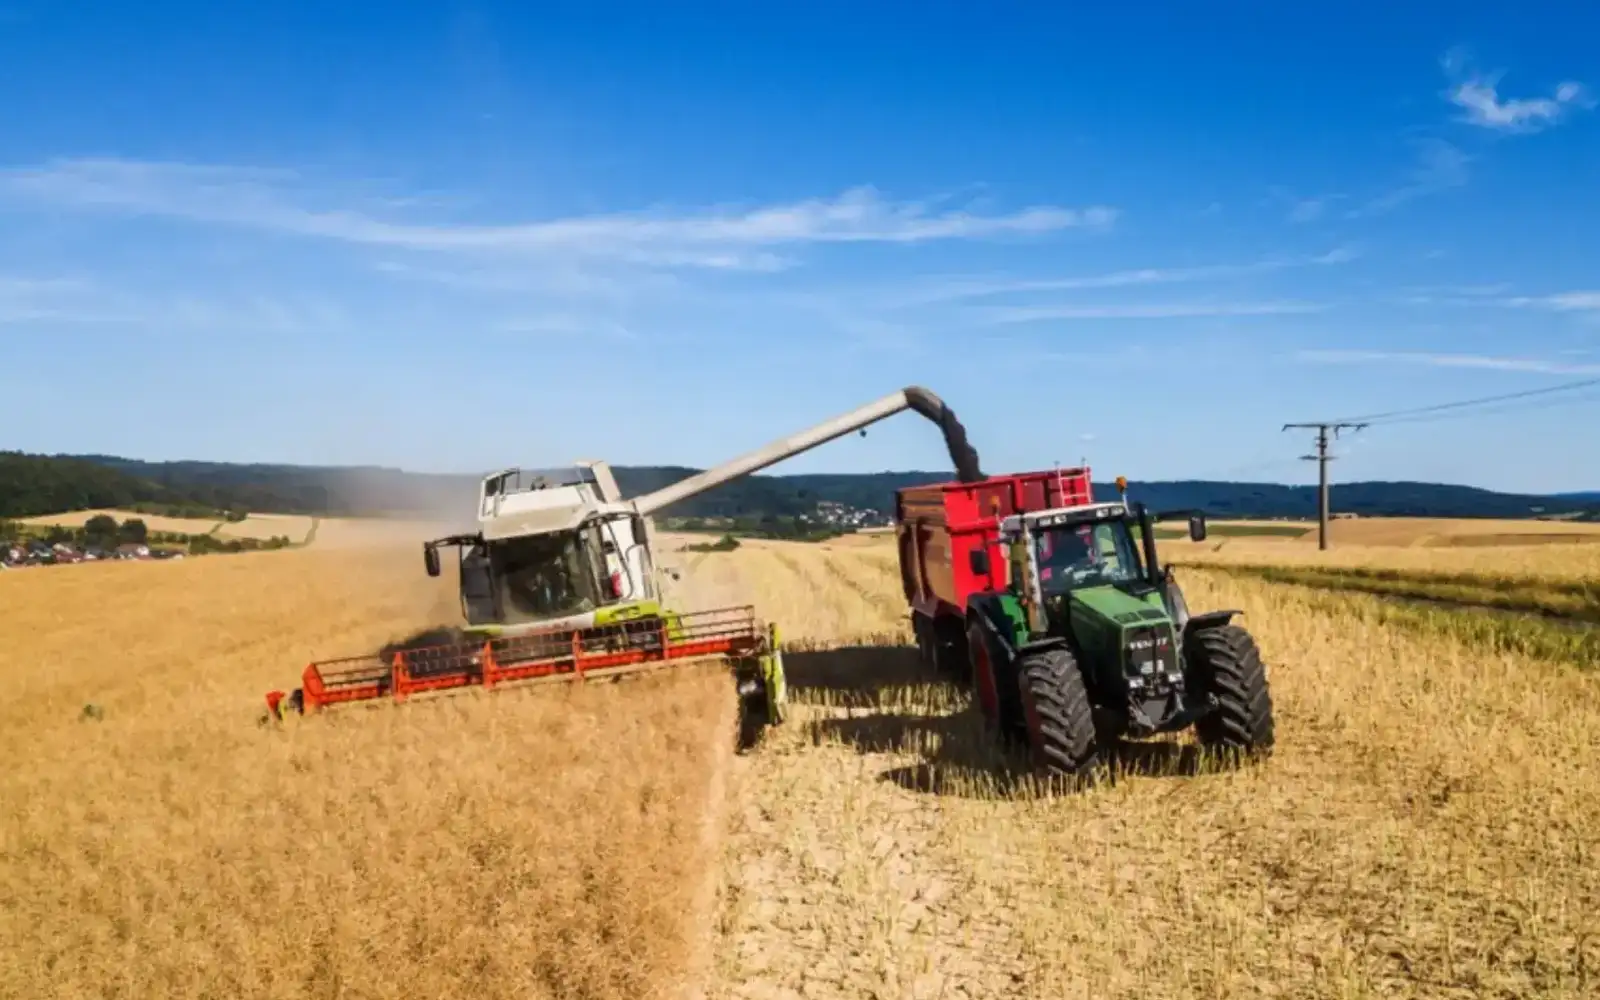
(1057, 715)
(1226, 663)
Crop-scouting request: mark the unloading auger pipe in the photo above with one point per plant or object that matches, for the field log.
(962, 454)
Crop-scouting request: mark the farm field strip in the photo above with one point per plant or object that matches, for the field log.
(1491, 630)
(1521, 562)
(1575, 600)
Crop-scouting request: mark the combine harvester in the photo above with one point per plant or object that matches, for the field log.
(560, 583)
(1057, 611)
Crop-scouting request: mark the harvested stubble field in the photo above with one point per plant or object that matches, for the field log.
(1426, 828)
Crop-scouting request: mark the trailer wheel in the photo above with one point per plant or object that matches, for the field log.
(1057, 715)
(1226, 663)
(927, 642)
(994, 684)
(984, 689)
(952, 659)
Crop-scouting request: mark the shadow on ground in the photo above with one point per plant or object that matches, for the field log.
(861, 674)
(891, 704)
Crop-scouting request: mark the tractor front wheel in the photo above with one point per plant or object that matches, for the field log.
(1057, 714)
(1226, 663)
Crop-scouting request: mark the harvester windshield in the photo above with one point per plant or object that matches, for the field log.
(543, 576)
(1086, 555)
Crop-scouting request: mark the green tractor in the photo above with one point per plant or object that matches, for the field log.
(1092, 643)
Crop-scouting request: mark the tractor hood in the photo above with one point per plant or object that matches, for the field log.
(1131, 642)
(1116, 608)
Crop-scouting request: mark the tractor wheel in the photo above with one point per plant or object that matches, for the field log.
(1225, 662)
(1057, 715)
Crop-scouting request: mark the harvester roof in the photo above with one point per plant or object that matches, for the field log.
(524, 505)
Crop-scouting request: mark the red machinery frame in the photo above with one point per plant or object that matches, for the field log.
(549, 655)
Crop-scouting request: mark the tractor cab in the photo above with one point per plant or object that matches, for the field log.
(1070, 566)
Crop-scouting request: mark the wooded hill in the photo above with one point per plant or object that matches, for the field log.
(40, 484)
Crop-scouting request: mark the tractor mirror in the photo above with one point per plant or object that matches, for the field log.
(978, 560)
(430, 558)
(1197, 527)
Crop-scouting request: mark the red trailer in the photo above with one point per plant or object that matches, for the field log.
(941, 526)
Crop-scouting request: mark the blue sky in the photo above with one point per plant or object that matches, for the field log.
(459, 236)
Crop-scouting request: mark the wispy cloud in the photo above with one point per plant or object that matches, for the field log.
(718, 237)
(1029, 314)
(966, 287)
(1479, 98)
(1480, 361)
(1440, 166)
(75, 302)
(1301, 209)
(1585, 301)
(1308, 209)
(1460, 291)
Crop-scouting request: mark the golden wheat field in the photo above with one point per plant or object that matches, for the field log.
(258, 526)
(78, 518)
(1426, 828)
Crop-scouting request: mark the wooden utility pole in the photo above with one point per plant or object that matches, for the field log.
(1322, 458)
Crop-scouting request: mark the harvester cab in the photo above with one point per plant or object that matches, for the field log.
(560, 582)
(1090, 641)
(554, 549)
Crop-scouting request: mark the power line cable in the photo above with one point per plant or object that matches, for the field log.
(1390, 415)
(1429, 418)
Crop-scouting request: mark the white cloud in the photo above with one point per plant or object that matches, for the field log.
(717, 237)
(1478, 96)
(1480, 361)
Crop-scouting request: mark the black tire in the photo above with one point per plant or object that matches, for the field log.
(1226, 663)
(984, 683)
(922, 629)
(1057, 716)
(948, 643)
(755, 705)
